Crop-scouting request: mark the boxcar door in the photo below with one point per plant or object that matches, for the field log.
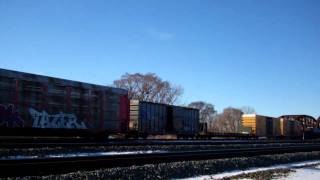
(269, 127)
(169, 124)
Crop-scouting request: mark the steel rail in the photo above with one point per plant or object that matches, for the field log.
(44, 166)
(94, 143)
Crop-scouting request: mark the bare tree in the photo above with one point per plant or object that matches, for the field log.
(228, 121)
(217, 124)
(233, 116)
(149, 87)
(248, 110)
(207, 111)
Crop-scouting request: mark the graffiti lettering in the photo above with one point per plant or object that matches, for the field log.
(61, 120)
(9, 116)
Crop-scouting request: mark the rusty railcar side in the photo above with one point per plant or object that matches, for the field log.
(291, 128)
(29, 101)
(298, 126)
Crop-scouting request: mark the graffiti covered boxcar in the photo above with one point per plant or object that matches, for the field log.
(33, 103)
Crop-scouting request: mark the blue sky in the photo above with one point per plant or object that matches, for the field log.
(259, 53)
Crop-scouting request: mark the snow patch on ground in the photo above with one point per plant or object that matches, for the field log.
(96, 154)
(254, 170)
(307, 173)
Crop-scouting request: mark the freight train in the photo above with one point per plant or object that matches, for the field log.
(39, 105)
(286, 126)
(45, 106)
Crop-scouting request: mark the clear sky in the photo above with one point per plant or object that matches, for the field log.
(260, 53)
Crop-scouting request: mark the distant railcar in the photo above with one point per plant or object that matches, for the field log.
(298, 126)
(261, 126)
(32, 103)
(159, 119)
(290, 128)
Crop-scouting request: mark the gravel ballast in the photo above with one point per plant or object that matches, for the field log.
(185, 169)
(41, 152)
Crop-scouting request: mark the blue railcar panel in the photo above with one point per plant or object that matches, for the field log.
(157, 118)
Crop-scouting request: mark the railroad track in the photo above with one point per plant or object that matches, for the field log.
(44, 166)
(18, 143)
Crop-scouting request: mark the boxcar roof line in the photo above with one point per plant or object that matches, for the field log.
(47, 79)
(165, 104)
